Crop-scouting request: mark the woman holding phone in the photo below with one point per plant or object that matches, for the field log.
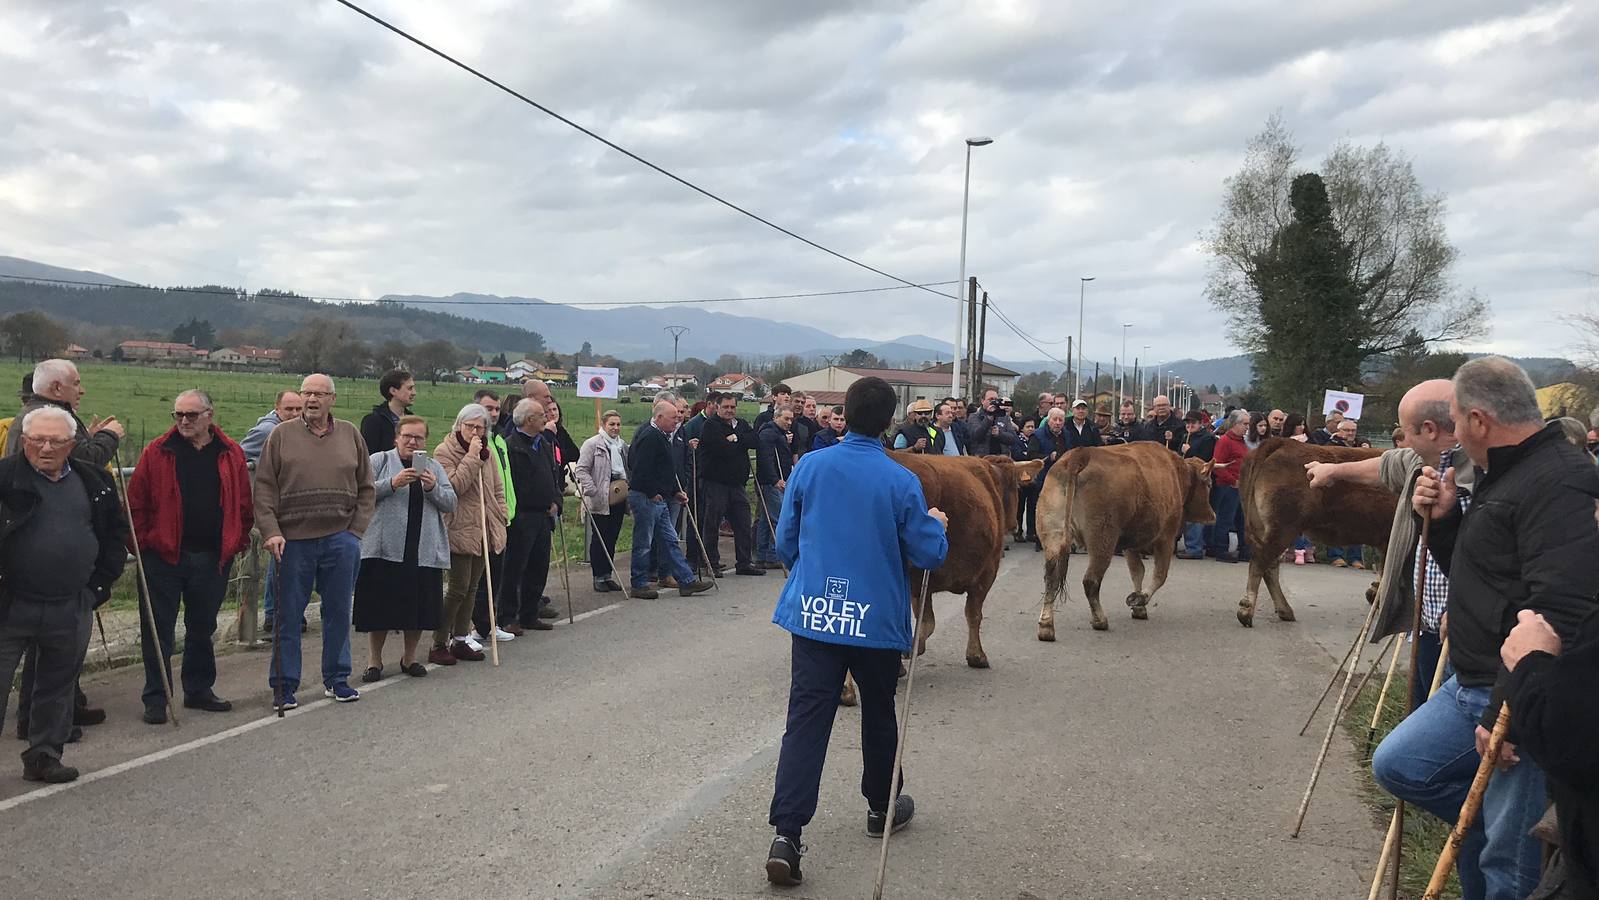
(405, 551)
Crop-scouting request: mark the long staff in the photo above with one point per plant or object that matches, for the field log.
(1327, 691)
(566, 579)
(488, 570)
(1469, 810)
(1332, 724)
(610, 557)
(276, 576)
(694, 520)
(771, 527)
(144, 593)
(899, 751)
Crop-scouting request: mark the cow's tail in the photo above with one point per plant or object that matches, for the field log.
(1072, 464)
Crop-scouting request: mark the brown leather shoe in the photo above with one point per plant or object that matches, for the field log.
(669, 582)
(460, 650)
(539, 625)
(514, 628)
(441, 656)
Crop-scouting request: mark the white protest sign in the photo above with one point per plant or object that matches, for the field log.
(1344, 402)
(593, 381)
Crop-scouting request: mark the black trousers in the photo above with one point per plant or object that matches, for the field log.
(602, 543)
(59, 632)
(729, 501)
(526, 568)
(1027, 511)
(198, 583)
(816, 677)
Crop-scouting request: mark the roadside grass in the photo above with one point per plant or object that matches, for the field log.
(1424, 834)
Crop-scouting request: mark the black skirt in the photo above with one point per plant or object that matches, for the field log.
(400, 596)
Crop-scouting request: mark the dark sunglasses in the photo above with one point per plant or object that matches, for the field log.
(190, 416)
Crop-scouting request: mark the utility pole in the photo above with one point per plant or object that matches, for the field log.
(982, 342)
(971, 340)
(1071, 371)
(677, 332)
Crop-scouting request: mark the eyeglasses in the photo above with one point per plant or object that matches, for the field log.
(315, 395)
(47, 443)
(412, 438)
(184, 416)
(473, 427)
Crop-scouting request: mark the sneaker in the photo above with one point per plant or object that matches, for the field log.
(471, 641)
(695, 587)
(1299, 557)
(783, 862)
(47, 769)
(462, 651)
(342, 692)
(904, 810)
(288, 702)
(603, 586)
(500, 634)
(441, 656)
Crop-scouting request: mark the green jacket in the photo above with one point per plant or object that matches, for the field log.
(501, 455)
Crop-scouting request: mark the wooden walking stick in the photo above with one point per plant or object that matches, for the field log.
(277, 629)
(104, 646)
(1366, 677)
(705, 555)
(1382, 695)
(566, 579)
(1327, 691)
(488, 570)
(1473, 805)
(899, 750)
(766, 510)
(144, 593)
(1332, 726)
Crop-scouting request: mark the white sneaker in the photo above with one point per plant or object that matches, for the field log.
(500, 634)
(471, 641)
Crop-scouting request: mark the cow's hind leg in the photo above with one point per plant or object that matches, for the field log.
(1137, 600)
(1246, 606)
(924, 630)
(1098, 561)
(1163, 558)
(1054, 586)
(847, 696)
(975, 657)
(1273, 571)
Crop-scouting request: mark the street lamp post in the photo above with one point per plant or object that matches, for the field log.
(1144, 379)
(1121, 383)
(960, 286)
(1082, 294)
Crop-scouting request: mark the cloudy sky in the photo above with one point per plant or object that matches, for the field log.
(292, 143)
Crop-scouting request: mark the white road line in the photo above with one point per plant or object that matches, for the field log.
(197, 743)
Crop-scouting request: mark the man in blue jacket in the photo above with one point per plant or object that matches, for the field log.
(847, 604)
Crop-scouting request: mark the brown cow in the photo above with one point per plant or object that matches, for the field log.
(1279, 505)
(1129, 499)
(979, 496)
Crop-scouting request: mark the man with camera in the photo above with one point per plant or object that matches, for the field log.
(991, 429)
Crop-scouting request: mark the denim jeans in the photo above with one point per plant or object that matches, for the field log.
(653, 533)
(327, 564)
(199, 584)
(1430, 759)
(268, 595)
(1224, 499)
(771, 502)
(1195, 538)
(1349, 554)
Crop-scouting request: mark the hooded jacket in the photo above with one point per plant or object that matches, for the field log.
(848, 551)
(774, 457)
(156, 502)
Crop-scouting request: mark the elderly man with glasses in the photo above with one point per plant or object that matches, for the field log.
(192, 514)
(61, 533)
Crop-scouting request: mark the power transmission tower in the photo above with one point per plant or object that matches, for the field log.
(677, 332)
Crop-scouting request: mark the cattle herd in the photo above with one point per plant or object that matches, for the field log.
(1133, 500)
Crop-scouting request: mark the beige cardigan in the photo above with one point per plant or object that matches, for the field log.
(593, 471)
(466, 537)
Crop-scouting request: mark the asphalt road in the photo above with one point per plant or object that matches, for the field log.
(631, 755)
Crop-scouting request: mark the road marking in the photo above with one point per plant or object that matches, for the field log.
(169, 752)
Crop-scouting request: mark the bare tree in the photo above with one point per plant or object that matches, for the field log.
(1400, 253)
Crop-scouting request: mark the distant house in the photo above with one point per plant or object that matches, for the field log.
(73, 351)
(143, 351)
(553, 375)
(246, 356)
(828, 385)
(1002, 379)
(671, 381)
(735, 382)
(522, 368)
(482, 374)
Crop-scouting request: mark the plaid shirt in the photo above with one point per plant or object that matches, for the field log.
(1435, 599)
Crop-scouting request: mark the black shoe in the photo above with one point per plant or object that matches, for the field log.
(605, 586)
(47, 769)
(207, 701)
(22, 729)
(372, 673)
(904, 810)
(155, 715)
(783, 862)
(539, 624)
(750, 570)
(549, 612)
(266, 626)
(87, 715)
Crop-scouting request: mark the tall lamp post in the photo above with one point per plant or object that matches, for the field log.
(1121, 382)
(1144, 379)
(960, 286)
(1082, 294)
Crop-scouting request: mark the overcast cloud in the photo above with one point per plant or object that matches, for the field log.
(295, 144)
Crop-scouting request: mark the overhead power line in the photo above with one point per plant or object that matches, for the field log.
(620, 149)
(927, 286)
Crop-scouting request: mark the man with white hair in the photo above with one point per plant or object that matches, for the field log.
(527, 541)
(652, 479)
(1163, 425)
(56, 384)
(61, 549)
(314, 497)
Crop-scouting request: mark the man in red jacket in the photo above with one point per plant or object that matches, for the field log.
(1229, 459)
(192, 514)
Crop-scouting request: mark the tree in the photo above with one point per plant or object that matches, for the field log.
(728, 363)
(392, 354)
(316, 346)
(552, 360)
(861, 359)
(33, 336)
(435, 358)
(787, 367)
(689, 391)
(584, 356)
(353, 360)
(197, 332)
(1303, 281)
(638, 370)
(1399, 256)
(499, 360)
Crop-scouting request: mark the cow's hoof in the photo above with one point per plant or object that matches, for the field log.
(1101, 624)
(1140, 612)
(1285, 615)
(1046, 633)
(1136, 600)
(977, 662)
(847, 697)
(1246, 618)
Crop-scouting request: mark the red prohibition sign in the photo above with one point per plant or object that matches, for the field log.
(597, 383)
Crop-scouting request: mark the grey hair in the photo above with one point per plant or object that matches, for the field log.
(1574, 431)
(667, 396)
(1238, 416)
(663, 406)
(51, 372)
(332, 388)
(51, 412)
(470, 412)
(1056, 413)
(524, 408)
(1499, 388)
(1436, 412)
(781, 407)
(196, 392)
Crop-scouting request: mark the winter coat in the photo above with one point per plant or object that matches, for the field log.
(982, 443)
(594, 473)
(1229, 459)
(726, 461)
(19, 499)
(805, 430)
(533, 473)
(825, 438)
(379, 427)
(1156, 430)
(1046, 443)
(385, 534)
(774, 455)
(848, 551)
(1088, 437)
(97, 450)
(157, 504)
(464, 472)
(255, 439)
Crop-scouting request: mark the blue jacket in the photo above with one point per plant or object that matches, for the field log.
(847, 549)
(774, 455)
(825, 438)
